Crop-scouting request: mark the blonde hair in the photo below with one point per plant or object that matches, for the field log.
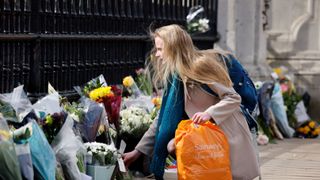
(182, 57)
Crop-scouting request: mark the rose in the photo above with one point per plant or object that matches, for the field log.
(128, 81)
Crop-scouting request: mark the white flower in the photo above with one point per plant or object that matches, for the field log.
(134, 120)
(203, 25)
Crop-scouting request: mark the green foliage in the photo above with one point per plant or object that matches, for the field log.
(291, 99)
(7, 111)
(143, 81)
(80, 162)
(93, 84)
(75, 110)
(265, 128)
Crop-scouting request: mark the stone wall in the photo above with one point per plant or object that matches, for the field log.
(240, 24)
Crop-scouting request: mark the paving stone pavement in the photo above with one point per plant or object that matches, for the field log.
(291, 159)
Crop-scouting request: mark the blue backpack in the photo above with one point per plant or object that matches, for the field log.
(244, 86)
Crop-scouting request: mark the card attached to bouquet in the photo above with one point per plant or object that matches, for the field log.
(122, 146)
(122, 167)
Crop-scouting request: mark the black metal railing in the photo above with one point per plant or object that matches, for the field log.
(68, 42)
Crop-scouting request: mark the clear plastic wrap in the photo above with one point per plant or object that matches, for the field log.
(25, 161)
(47, 105)
(197, 22)
(19, 102)
(21, 137)
(9, 166)
(66, 150)
(92, 84)
(94, 115)
(142, 101)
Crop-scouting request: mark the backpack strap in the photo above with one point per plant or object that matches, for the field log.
(225, 61)
(205, 87)
(209, 90)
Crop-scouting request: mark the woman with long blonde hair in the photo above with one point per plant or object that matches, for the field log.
(182, 70)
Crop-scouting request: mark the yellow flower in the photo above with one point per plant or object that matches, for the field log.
(314, 133)
(157, 101)
(94, 95)
(128, 81)
(312, 124)
(306, 130)
(278, 71)
(100, 93)
(5, 135)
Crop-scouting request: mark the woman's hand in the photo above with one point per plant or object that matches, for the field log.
(201, 117)
(130, 157)
(171, 147)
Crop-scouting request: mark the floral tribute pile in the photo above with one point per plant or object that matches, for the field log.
(57, 139)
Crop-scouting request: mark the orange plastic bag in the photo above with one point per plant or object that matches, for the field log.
(202, 152)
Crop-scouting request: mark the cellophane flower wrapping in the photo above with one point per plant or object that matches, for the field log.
(94, 116)
(130, 84)
(19, 102)
(142, 101)
(91, 85)
(197, 21)
(66, 147)
(112, 105)
(49, 104)
(9, 166)
(21, 138)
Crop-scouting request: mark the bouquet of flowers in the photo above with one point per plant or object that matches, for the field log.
(131, 86)
(74, 109)
(309, 129)
(111, 97)
(102, 154)
(21, 137)
(9, 165)
(290, 97)
(15, 105)
(51, 124)
(144, 81)
(7, 111)
(157, 105)
(135, 121)
(94, 118)
(91, 85)
(44, 163)
(196, 21)
(22, 134)
(68, 150)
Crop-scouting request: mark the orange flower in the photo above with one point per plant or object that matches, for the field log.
(306, 130)
(300, 129)
(157, 101)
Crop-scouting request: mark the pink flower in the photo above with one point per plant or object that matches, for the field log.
(140, 71)
(284, 87)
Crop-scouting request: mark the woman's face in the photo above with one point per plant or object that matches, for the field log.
(159, 47)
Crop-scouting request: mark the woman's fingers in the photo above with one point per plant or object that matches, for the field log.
(200, 117)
